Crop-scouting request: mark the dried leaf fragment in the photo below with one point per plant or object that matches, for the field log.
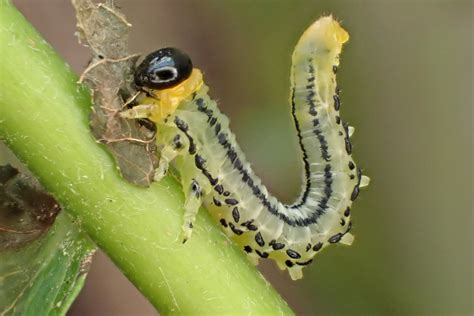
(105, 30)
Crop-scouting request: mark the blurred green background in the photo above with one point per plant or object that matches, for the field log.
(406, 77)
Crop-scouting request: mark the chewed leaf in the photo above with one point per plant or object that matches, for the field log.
(44, 257)
(105, 31)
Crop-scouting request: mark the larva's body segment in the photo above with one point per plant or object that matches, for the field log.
(214, 170)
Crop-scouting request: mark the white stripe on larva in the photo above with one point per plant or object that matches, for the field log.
(236, 197)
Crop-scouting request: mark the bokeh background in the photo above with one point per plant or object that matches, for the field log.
(406, 79)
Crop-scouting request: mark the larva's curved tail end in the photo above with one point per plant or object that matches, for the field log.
(325, 33)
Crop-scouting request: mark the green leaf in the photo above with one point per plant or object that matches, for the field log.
(44, 277)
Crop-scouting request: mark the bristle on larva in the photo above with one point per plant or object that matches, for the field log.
(194, 135)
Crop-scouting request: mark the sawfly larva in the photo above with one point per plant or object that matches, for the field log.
(194, 135)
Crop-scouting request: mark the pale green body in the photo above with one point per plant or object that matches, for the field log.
(214, 172)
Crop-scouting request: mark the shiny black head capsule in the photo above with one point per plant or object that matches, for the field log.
(164, 68)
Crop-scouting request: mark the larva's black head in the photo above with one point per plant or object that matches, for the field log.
(164, 68)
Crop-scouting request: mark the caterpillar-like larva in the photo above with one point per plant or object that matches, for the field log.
(195, 135)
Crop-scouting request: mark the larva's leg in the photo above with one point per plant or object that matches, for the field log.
(193, 202)
(172, 145)
(139, 111)
(168, 153)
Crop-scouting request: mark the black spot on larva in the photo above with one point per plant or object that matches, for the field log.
(236, 214)
(318, 246)
(288, 263)
(348, 145)
(337, 90)
(338, 119)
(337, 102)
(259, 239)
(248, 249)
(177, 142)
(351, 165)
(199, 161)
(347, 212)
(293, 254)
(340, 133)
(222, 138)
(238, 164)
(305, 263)
(200, 164)
(217, 129)
(190, 225)
(219, 189)
(352, 177)
(226, 193)
(252, 227)
(343, 222)
(223, 222)
(192, 147)
(355, 193)
(200, 103)
(216, 202)
(276, 245)
(336, 238)
(212, 121)
(249, 225)
(347, 139)
(235, 229)
(232, 155)
(334, 69)
(262, 254)
(196, 188)
(184, 128)
(231, 201)
(308, 247)
(181, 124)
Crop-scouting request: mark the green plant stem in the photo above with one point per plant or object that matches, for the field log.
(44, 120)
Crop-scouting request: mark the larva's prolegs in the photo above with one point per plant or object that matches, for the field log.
(296, 272)
(191, 207)
(168, 154)
(347, 239)
(195, 135)
(365, 181)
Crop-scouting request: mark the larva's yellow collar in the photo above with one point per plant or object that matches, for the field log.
(164, 102)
